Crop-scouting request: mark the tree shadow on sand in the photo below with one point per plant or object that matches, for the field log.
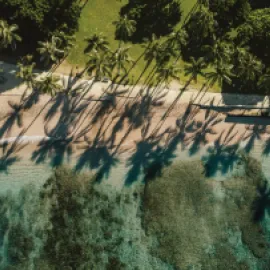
(156, 151)
(223, 155)
(8, 156)
(56, 151)
(202, 129)
(96, 156)
(12, 118)
(254, 132)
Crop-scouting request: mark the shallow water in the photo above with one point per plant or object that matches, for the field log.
(25, 172)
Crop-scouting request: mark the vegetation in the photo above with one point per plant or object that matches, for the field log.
(43, 17)
(72, 222)
(195, 219)
(162, 16)
(228, 38)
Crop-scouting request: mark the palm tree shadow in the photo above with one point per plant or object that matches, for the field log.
(31, 100)
(12, 118)
(96, 156)
(202, 129)
(8, 157)
(140, 160)
(256, 132)
(56, 151)
(163, 156)
(108, 104)
(150, 156)
(222, 156)
(58, 101)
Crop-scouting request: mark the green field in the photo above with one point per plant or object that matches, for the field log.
(97, 17)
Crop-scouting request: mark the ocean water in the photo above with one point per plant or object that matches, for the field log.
(24, 178)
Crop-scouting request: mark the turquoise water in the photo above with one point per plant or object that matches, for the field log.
(126, 166)
(23, 208)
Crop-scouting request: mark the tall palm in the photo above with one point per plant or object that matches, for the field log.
(249, 68)
(97, 42)
(66, 41)
(156, 50)
(120, 58)
(26, 70)
(48, 85)
(222, 73)
(219, 51)
(176, 40)
(8, 35)
(99, 64)
(195, 68)
(124, 28)
(168, 73)
(50, 50)
(206, 17)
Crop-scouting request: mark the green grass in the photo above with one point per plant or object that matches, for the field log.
(98, 16)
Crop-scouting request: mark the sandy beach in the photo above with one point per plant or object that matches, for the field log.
(109, 121)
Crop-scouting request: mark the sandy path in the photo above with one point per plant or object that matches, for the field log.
(141, 120)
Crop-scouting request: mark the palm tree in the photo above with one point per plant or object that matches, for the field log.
(99, 64)
(222, 73)
(66, 41)
(48, 85)
(195, 68)
(249, 67)
(25, 72)
(206, 17)
(176, 40)
(50, 50)
(168, 73)
(124, 28)
(156, 50)
(120, 58)
(264, 81)
(8, 35)
(97, 42)
(219, 51)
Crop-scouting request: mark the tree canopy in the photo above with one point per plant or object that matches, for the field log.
(254, 33)
(229, 13)
(152, 17)
(39, 19)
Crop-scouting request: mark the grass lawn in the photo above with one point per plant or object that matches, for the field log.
(98, 16)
